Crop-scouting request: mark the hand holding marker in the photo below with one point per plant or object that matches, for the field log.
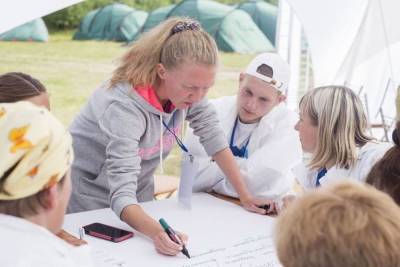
(174, 237)
(266, 207)
(270, 209)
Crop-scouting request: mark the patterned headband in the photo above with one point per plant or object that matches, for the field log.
(185, 26)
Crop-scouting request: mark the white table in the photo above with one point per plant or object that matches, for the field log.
(220, 234)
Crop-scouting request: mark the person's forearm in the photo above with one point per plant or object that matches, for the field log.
(135, 216)
(228, 165)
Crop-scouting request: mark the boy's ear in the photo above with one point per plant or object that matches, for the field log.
(281, 98)
(50, 196)
(161, 71)
(241, 76)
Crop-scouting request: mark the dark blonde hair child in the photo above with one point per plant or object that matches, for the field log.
(342, 225)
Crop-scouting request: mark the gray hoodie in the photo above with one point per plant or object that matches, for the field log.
(119, 140)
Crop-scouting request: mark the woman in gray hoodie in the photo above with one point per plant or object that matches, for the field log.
(131, 122)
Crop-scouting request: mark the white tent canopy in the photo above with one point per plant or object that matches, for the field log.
(17, 12)
(355, 43)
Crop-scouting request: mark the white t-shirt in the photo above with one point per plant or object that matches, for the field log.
(368, 155)
(25, 244)
(242, 133)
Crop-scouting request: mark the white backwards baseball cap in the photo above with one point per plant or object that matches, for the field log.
(271, 68)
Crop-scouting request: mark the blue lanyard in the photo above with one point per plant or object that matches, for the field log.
(238, 152)
(180, 143)
(321, 174)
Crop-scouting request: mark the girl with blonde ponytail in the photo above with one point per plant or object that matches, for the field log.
(132, 121)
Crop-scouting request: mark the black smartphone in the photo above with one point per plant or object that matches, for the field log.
(107, 232)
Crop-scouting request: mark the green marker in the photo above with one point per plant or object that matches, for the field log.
(174, 237)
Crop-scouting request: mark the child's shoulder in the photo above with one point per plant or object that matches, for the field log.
(373, 150)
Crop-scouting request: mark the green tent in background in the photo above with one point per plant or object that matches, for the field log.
(263, 14)
(35, 30)
(233, 29)
(156, 16)
(116, 22)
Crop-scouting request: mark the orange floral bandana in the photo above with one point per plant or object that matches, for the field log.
(35, 150)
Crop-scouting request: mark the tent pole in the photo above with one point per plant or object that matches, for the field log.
(278, 26)
(307, 81)
(383, 97)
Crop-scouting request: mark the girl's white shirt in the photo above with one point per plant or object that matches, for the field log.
(368, 155)
(25, 244)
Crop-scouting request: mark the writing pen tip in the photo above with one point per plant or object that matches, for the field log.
(186, 253)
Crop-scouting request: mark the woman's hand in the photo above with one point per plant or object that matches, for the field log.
(164, 244)
(135, 216)
(228, 165)
(258, 205)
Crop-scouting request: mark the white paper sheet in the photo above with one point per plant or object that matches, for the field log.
(220, 234)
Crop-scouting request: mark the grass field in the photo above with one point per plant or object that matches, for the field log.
(71, 70)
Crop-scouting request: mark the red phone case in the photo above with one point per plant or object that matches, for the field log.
(107, 237)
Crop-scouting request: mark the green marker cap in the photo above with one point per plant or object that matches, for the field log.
(164, 224)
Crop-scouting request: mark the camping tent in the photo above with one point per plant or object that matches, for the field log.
(233, 29)
(263, 14)
(35, 30)
(156, 16)
(115, 22)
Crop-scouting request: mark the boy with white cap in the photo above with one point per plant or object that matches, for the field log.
(260, 131)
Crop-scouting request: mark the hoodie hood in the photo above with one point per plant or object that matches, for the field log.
(148, 93)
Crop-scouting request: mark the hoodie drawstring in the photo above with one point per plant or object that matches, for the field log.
(161, 145)
(183, 124)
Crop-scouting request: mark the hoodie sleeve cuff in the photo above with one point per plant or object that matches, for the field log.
(119, 203)
(218, 143)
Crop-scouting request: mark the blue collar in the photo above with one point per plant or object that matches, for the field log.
(236, 151)
(321, 173)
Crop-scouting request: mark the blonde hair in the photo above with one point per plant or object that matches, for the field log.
(346, 225)
(339, 115)
(164, 45)
(28, 206)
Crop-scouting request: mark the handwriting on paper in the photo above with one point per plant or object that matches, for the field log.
(103, 259)
(255, 251)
